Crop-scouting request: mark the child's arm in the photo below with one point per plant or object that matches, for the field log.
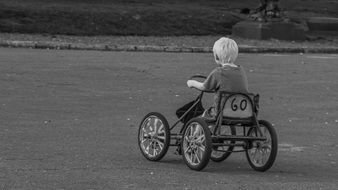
(209, 84)
(196, 84)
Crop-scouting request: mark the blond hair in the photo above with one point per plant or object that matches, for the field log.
(225, 51)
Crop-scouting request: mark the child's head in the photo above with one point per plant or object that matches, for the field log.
(225, 51)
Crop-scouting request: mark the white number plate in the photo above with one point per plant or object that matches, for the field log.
(238, 106)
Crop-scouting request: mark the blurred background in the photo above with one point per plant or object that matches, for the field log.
(143, 17)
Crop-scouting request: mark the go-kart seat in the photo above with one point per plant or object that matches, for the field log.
(237, 108)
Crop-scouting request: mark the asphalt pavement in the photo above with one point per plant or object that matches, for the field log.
(69, 119)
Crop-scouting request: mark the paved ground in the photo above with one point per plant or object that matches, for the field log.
(69, 120)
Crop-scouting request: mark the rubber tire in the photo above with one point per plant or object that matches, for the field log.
(230, 148)
(166, 141)
(206, 156)
(274, 147)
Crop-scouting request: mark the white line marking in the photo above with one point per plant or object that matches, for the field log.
(275, 55)
(290, 148)
(321, 57)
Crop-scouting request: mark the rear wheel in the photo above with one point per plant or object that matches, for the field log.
(154, 136)
(219, 152)
(263, 153)
(196, 144)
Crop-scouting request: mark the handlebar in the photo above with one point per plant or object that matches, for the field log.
(202, 77)
(198, 76)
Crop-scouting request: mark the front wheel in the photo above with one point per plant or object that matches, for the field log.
(196, 144)
(154, 136)
(263, 153)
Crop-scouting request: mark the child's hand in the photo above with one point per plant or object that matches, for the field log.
(195, 84)
(190, 83)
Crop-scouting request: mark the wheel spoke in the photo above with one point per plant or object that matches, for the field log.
(191, 130)
(199, 154)
(264, 156)
(186, 150)
(266, 146)
(155, 125)
(197, 131)
(190, 157)
(197, 158)
(153, 150)
(200, 139)
(193, 157)
(143, 140)
(187, 138)
(261, 156)
(147, 149)
(146, 135)
(157, 149)
(160, 129)
(144, 130)
(255, 154)
(143, 146)
(202, 148)
(160, 144)
(148, 125)
(265, 131)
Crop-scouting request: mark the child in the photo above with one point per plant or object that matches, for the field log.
(226, 77)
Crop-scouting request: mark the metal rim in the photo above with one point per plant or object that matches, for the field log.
(194, 143)
(152, 136)
(261, 150)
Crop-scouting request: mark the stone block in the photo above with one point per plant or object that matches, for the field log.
(323, 24)
(269, 30)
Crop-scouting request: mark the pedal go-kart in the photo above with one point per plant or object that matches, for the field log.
(235, 129)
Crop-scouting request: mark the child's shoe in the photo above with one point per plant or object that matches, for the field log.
(209, 114)
(178, 151)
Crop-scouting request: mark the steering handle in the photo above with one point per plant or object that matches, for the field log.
(202, 77)
(198, 76)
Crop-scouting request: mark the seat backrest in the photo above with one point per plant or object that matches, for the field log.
(237, 105)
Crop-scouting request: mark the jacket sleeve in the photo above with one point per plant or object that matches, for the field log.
(211, 83)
